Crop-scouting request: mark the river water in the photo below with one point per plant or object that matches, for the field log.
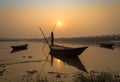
(38, 58)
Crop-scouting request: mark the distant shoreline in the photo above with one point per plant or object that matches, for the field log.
(102, 37)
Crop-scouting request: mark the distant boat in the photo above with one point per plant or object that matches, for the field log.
(62, 50)
(19, 47)
(107, 45)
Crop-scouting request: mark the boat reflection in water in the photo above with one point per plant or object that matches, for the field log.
(72, 60)
(13, 51)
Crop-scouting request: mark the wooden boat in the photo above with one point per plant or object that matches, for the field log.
(62, 50)
(20, 47)
(107, 45)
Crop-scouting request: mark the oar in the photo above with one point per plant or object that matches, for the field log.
(44, 36)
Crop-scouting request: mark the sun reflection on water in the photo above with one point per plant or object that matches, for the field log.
(58, 64)
(58, 61)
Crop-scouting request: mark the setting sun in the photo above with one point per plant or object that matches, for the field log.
(59, 23)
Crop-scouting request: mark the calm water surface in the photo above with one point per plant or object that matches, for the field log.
(16, 64)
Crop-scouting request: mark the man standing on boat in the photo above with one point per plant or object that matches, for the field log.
(52, 35)
(52, 38)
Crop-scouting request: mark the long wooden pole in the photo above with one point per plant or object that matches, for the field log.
(44, 35)
(54, 27)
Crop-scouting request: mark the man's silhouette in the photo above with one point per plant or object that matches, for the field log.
(52, 38)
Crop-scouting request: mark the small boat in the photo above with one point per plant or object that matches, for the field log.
(107, 45)
(19, 48)
(62, 50)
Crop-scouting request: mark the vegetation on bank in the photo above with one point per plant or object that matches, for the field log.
(93, 76)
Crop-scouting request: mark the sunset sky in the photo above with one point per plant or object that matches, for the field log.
(21, 18)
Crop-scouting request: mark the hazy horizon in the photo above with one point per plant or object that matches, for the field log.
(21, 18)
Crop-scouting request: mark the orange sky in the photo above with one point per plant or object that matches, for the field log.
(78, 20)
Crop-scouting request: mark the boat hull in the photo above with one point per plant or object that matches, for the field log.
(107, 45)
(61, 50)
(19, 47)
